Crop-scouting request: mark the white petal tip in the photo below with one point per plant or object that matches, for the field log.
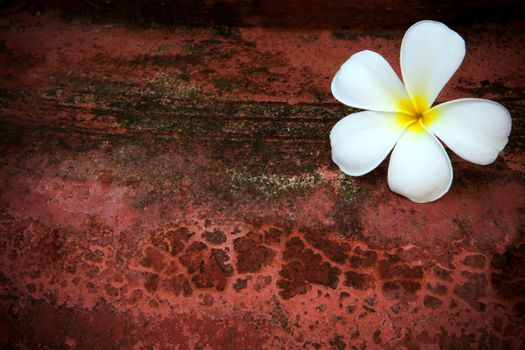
(361, 141)
(475, 129)
(419, 167)
(423, 199)
(367, 81)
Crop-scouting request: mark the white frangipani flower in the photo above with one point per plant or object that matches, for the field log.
(400, 116)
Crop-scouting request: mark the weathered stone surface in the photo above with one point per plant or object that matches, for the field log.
(173, 187)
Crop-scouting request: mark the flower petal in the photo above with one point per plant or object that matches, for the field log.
(475, 129)
(419, 166)
(362, 140)
(430, 54)
(367, 81)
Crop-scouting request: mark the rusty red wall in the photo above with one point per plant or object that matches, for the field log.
(335, 14)
(164, 187)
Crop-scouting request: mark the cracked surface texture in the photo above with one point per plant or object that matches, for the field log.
(173, 188)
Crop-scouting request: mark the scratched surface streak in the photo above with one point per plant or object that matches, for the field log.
(164, 188)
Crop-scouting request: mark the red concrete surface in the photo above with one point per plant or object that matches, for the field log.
(173, 188)
(299, 14)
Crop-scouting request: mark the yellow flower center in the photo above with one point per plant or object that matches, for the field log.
(415, 113)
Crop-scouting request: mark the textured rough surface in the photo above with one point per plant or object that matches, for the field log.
(174, 187)
(302, 14)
